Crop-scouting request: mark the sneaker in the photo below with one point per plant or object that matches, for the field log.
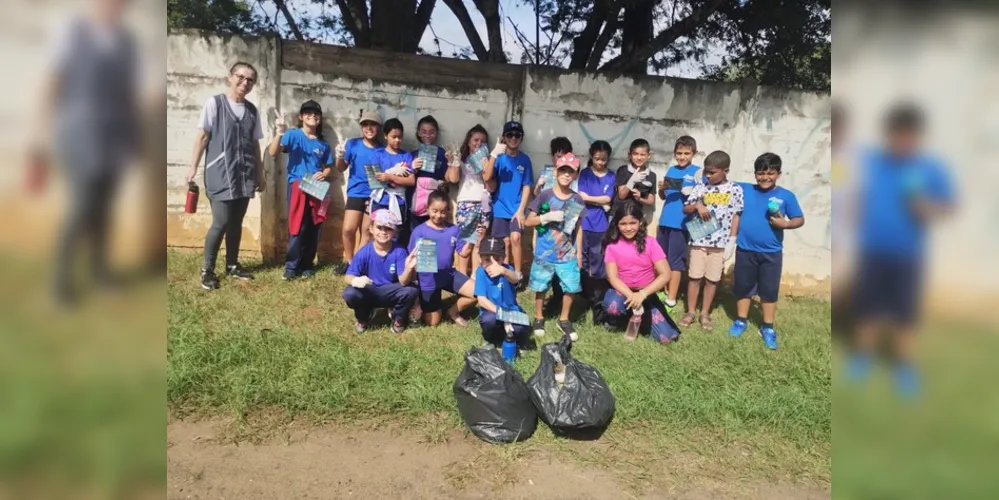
(308, 273)
(737, 328)
(360, 327)
(566, 328)
(398, 327)
(208, 280)
(539, 327)
(288, 275)
(769, 336)
(234, 271)
(906, 379)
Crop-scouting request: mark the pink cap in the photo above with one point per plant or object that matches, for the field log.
(567, 160)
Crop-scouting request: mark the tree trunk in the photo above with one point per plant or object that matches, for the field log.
(637, 31)
(355, 17)
(459, 10)
(583, 45)
(494, 28)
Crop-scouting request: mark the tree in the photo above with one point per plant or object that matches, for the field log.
(230, 16)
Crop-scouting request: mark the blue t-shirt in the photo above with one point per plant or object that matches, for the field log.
(357, 155)
(594, 185)
(446, 240)
(305, 156)
(672, 215)
(755, 232)
(498, 290)
(888, 225)
(553, 245)
(389, 160)
(513, 173)
(381, 270)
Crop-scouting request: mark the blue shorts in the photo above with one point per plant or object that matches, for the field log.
(542, 274)
(757, 273)
(593, 255)
(674, 242)
(502, 228)
(450, 280)
(889, 289)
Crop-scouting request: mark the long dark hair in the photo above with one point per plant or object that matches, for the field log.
(597, 147)
(464, 144)
(625, 209)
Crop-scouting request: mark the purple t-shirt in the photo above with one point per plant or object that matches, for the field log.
(381, 269)
(446, 240)
(594, 185)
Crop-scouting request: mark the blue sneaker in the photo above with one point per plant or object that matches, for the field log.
(858, 368)
(906, 381)
(738, 326)
(769, 336)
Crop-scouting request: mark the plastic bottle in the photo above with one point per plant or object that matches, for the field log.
(509, 345)
(544, 209)
(191, 204)
(773, 208)
(631, 332)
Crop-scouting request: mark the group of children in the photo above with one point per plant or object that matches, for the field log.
(590, 227)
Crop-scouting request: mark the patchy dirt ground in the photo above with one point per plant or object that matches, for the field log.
(330, 462)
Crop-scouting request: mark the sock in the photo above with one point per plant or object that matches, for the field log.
(766, 325)
(671, 302)
(744, 320)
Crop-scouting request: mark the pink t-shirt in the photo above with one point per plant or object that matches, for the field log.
(635, 269)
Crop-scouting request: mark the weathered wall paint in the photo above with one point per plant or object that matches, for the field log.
(745, 121)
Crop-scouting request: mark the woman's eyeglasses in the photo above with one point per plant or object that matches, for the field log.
(242, 79)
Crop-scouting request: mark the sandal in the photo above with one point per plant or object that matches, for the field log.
(458, 320)
(706, 323)
(687, 320)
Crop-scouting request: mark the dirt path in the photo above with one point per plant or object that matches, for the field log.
(336, 462)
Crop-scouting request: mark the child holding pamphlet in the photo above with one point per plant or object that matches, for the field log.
(355, 154)
(435, 242)
(494, 290)
(310, 158)
(471, 167)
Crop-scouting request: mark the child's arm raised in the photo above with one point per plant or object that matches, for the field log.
(275, 146)
(341, 155)
(453, 174)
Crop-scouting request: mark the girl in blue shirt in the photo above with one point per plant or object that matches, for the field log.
(309, 156)
(355, 154)
(398, 173)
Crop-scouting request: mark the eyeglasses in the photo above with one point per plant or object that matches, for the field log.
(242, 79)
(513, 135)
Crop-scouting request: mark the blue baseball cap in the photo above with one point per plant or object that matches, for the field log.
(512, 127)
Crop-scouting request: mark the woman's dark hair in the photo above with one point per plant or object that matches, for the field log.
(426, 119)
(390, 125)
(464, 144)
(597, 147)
(438, 195)
(243, 64)
(638, 143)
(625, 209)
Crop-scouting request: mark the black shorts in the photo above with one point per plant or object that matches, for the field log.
(357, 204)
(757, 273)
(888, 288)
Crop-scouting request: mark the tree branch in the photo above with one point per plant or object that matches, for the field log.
(422, 19)
(459, 10)
(494, 28)
(291, 21)
(639, 57)
(583, 46)
(527, 46)
(605, 37)
(355, 16)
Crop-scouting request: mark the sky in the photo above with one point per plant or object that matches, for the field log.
(451, 35)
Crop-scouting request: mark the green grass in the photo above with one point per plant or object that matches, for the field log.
(714, 401)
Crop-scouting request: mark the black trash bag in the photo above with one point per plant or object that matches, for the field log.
(583, 407)
(493, 398)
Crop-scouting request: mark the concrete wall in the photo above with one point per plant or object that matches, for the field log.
(742, 120)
